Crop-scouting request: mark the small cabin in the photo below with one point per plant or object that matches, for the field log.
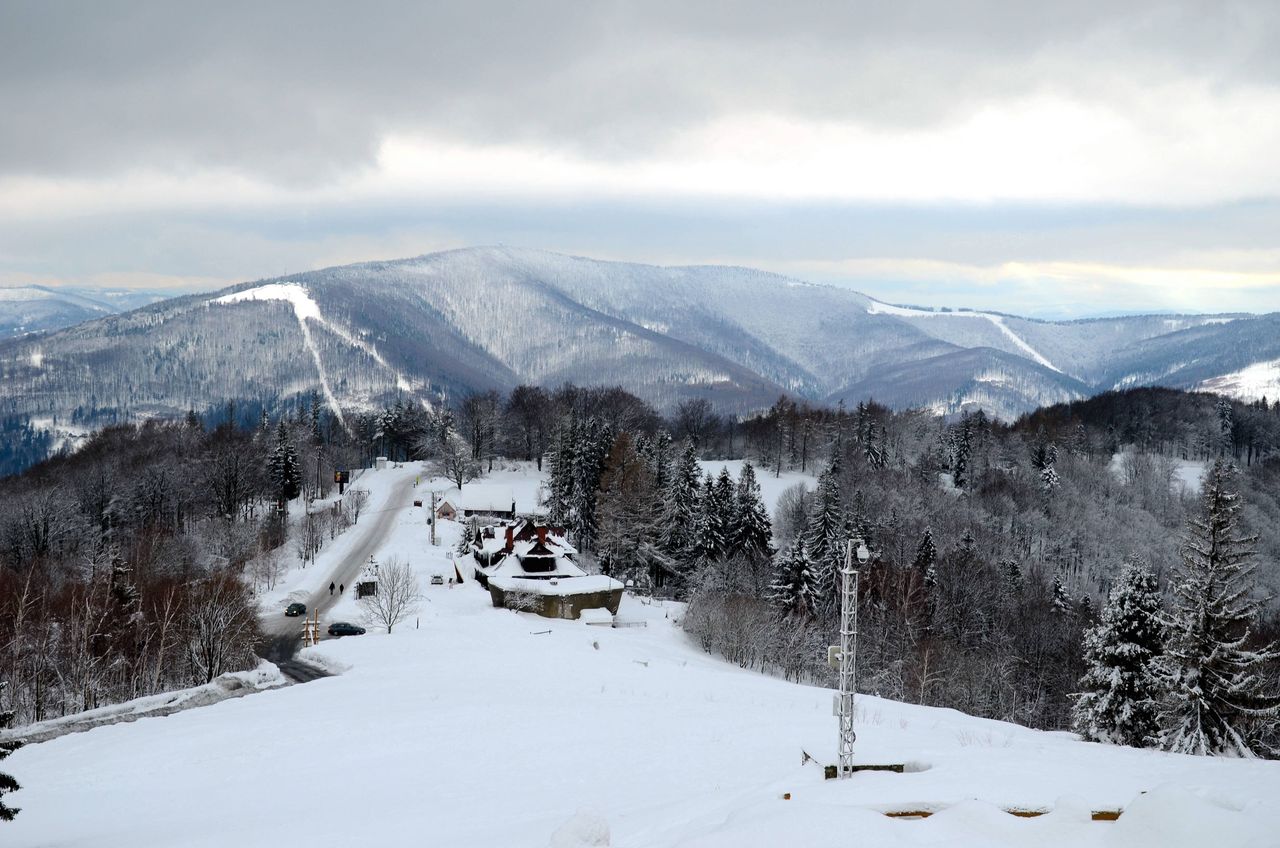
(446, 510)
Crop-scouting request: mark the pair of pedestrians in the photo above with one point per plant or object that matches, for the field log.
(342, 587)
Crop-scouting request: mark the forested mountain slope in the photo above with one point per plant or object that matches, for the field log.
(449, 323)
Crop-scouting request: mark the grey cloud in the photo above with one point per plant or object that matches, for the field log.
(300, 93)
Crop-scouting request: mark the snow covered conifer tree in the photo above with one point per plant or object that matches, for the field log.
(593, 446)
(680, 509)
(708, 541)
(926, 553)
(1049, 480)
(795, 589)
(824, 537)
(1062, 604)
(1121, 688)
(724, 509)
(465, 542)
(285, 470)
(1217, 699)
(659, 458)
(752, 532)
(560, 482)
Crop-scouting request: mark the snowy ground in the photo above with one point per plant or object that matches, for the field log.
(1188, 474)
(472, 726)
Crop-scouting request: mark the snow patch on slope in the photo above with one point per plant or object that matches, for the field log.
(1249, 383)
(303, 308)
(878, 308)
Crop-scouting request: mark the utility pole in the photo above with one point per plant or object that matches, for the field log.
(431, 518)
(849, 650)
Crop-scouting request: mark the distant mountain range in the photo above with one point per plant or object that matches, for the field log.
(479, 318)
(38, 309)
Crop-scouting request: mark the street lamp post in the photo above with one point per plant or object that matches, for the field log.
(856, 547)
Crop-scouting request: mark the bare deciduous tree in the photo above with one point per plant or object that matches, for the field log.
(451, 459)
(221, 628)
(397, 596)
(358, 500)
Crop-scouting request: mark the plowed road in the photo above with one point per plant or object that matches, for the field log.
(281, 636)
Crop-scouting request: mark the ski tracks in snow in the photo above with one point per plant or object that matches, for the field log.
(304, 308)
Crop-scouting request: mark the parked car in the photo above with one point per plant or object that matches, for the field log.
(295, 609)
(437, 580)
(343, 628)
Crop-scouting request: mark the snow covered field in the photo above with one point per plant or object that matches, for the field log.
(474, 726)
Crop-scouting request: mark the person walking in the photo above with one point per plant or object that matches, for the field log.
(330, 587)
(342, 587)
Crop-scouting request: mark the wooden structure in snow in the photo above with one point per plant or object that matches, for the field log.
(529, 567)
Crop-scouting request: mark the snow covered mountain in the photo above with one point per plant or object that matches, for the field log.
(37, 309)
(494, 317)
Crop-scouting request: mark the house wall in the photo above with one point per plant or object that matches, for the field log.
(557, 606)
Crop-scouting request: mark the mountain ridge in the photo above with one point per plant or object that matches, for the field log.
(442, 324)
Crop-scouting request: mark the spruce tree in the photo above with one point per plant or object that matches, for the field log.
(708, 540)
(795, 590)
(1120, 690)
(752, 532)
(1061, 603)
(467, 539)
(1217, 699)
(926, 554)
(723, 510)
(680, 508)
(589, 456)
(560, 479)
(824, 536)
(285, 470)
(7, 783)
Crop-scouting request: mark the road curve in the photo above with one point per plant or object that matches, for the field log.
(281, 636)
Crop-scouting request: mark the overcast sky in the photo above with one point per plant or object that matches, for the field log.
(1049, 158)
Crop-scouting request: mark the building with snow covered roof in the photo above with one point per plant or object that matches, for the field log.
(478, 501)
(530, 567)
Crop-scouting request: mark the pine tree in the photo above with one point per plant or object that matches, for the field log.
(659, 460)
(824, 536)
(1061, 603)
(1217, 698)
(722, 510)
(795, 590)
(752, 532)
(926, 553)
(680, 509)
(961, 446)
(467, 540)
(7, 783)
(1049, 480)
(708, 541)
(589, 454)
(285, 470)
(1120, 690)
(560, 473)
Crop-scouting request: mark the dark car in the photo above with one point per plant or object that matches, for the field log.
(342, 628)
(296, 609)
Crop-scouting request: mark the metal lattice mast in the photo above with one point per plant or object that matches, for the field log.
(848, 655)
